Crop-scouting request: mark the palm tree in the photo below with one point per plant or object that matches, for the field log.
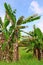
(16, 27)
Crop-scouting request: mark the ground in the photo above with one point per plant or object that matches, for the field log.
(25, 59)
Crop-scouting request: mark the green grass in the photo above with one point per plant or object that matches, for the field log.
(25, 59)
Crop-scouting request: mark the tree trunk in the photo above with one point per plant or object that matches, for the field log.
(6, 54)
(15, 52)
(42, 53)
(1, 56)
(34, 52)
(38, 54)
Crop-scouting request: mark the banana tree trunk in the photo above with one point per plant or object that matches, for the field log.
(6, 54)
(34, 52)
(1, 56)
(42, 53)
(38, 54)
(15, 52)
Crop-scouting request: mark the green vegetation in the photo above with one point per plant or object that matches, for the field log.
(10, 51)
(35, 42)
(13, 35)
(25, 59)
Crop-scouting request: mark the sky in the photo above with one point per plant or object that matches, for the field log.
(25, 8)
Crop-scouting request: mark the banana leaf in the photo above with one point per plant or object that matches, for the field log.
(11, 15)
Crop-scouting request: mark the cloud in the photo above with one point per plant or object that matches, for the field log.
(34, 6)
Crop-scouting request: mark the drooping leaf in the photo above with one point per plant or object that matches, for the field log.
(20, 20)
(30, 19)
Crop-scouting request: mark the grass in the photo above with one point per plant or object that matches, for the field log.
(25, 59)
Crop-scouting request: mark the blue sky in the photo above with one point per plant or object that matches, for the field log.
(25, 8)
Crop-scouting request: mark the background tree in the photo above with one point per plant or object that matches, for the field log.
(35, 41)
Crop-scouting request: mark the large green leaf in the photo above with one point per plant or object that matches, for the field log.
(6, 23)
(37, 32)
(9, 7)
(11, 15)
(29, 19)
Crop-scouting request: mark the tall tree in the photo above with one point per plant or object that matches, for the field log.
(16, 27)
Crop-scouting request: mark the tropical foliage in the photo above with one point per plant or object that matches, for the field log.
(35, 41)
(13, 34)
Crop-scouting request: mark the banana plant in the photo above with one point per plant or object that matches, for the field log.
(35, 41)
(16, 26)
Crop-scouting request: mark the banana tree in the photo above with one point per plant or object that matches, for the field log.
(3, 38)
(16, 27)
(39, 41)
(36, 42)
(0, 38)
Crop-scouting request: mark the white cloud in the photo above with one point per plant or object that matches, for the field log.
(34, 6)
